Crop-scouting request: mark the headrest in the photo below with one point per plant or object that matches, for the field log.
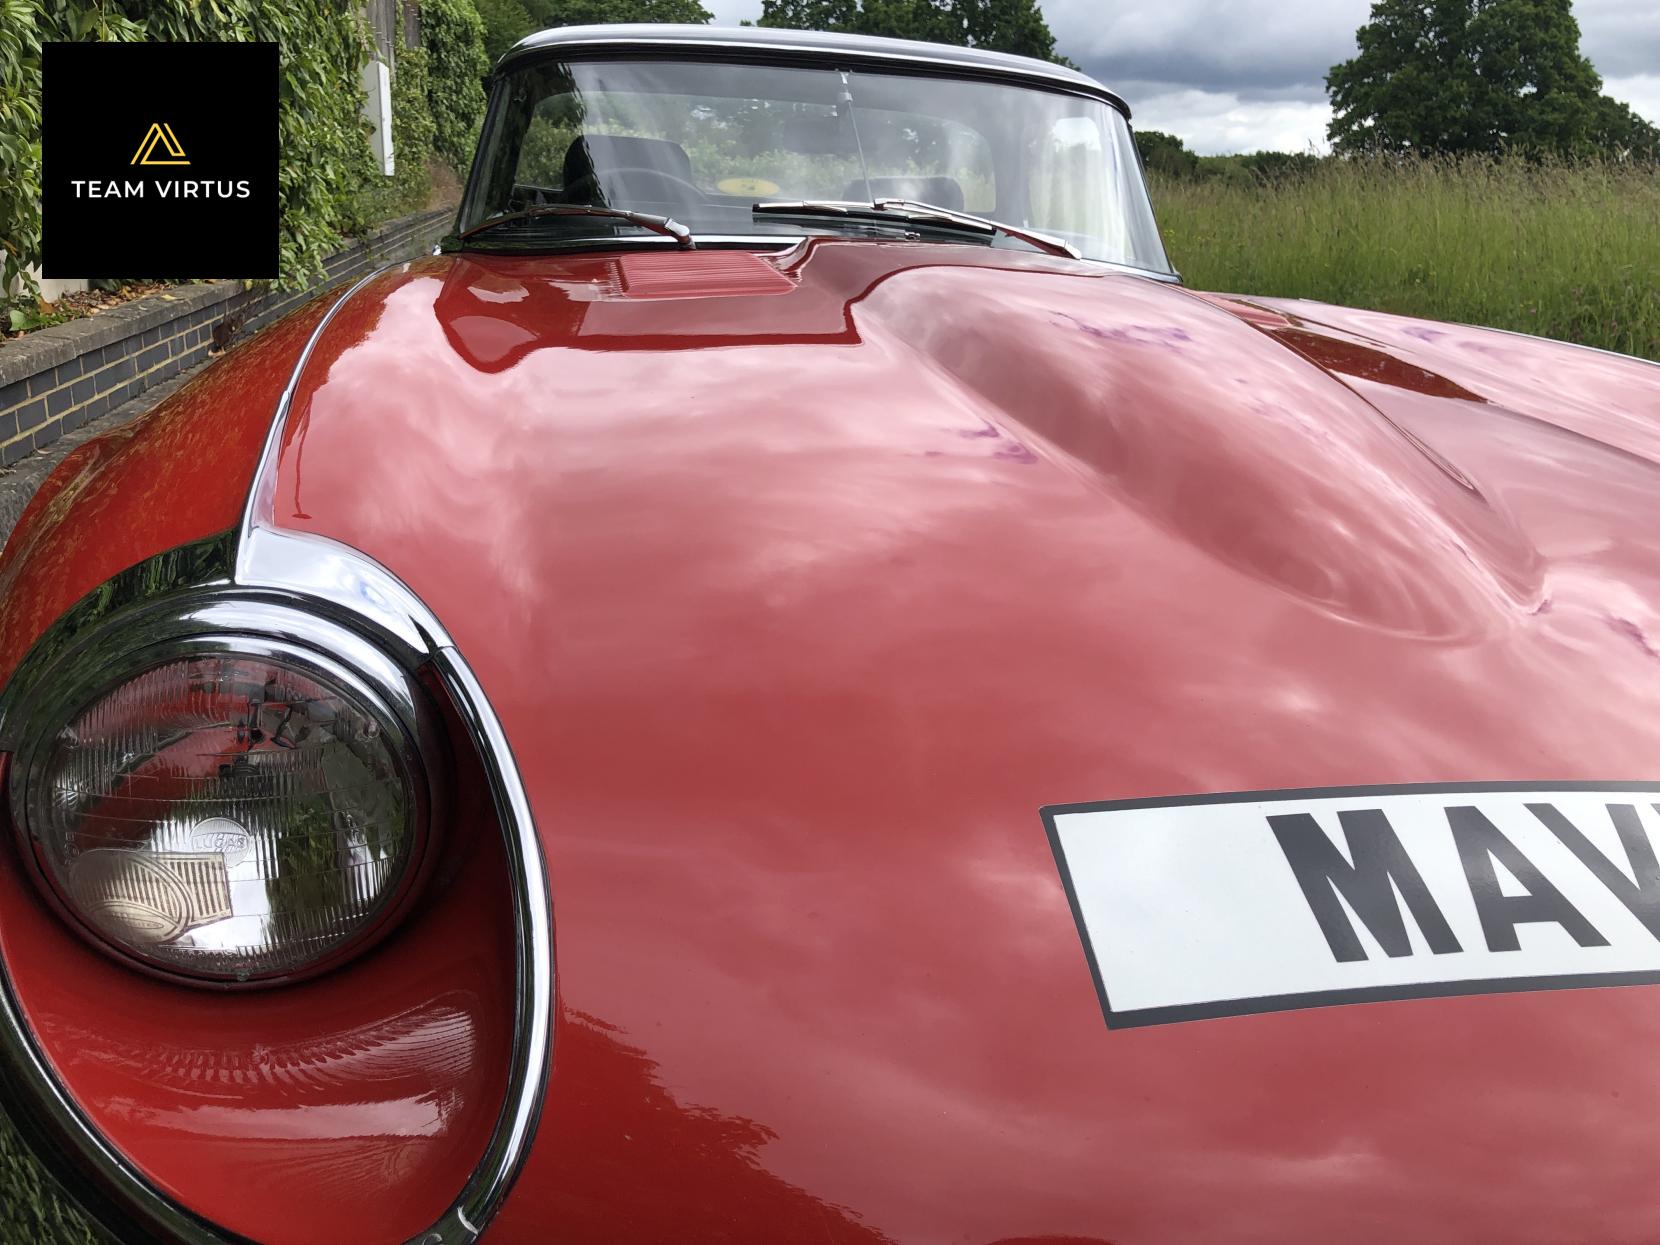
(601, 153)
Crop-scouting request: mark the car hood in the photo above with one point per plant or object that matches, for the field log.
(800, 583)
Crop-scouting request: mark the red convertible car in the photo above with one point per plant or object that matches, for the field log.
(791, 683)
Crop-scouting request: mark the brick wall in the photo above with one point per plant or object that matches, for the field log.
(55, 379)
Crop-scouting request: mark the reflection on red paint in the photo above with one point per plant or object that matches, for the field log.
(798, 608)
(708, 1176)
(350, 1108)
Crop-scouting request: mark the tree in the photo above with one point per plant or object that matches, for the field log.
(453, 34)
(1475, 76)
(1166, 154)
(1276, 167)
(1014, 26)
(508, 21)
(505, 23)
(1619, 131)
(545, 13)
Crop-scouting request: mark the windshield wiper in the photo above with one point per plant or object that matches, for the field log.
(657, 224)
(917, 213)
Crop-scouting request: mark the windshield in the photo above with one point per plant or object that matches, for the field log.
(703, 142)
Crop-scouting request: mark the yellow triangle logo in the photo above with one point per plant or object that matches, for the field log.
(159, 132)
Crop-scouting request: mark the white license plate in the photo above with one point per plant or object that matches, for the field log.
(1194, 907)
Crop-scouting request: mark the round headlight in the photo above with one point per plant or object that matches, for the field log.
(231, 812)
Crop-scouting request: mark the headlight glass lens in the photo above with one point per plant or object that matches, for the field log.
(226, 816)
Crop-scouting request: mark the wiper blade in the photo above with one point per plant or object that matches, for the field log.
(657, 224)
(911, 209)
(917, 213)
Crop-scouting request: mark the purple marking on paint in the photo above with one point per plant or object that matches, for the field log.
(1010, 449)
(1632, 631)
(1166, 335)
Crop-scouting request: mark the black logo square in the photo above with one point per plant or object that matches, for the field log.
(159, 160)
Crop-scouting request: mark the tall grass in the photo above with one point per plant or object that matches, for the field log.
(1563, 250)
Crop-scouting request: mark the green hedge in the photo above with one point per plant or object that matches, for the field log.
(325, 162)
(453, 34)
(32, 1208)
(409, 188)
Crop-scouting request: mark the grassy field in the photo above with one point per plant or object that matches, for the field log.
(1568, 251)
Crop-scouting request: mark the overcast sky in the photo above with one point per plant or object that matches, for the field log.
(1247, 75)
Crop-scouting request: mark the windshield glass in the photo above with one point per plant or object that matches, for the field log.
(703, 142)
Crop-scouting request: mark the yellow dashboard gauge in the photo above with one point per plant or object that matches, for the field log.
(746, 186)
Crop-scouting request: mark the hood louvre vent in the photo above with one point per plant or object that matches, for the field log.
(699, 274)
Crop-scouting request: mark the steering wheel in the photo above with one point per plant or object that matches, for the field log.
(588, 188)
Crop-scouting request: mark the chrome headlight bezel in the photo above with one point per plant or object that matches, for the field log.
(308, 590)
(49, 691)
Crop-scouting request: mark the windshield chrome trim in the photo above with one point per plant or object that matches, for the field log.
(576, 243)
(690, 43)
(779, 242)
(588, 42)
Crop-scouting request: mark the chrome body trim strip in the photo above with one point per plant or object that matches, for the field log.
(341, 580)
(344, 581)
(325, 571)
(570, 42)
(533, 1031)
(1557, 341)
(259, 496)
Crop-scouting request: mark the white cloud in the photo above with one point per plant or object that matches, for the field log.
(730, 12)
(1212, 45)
(1641, 91)
(1205, 69)
(1248, 75)
(1218, 122)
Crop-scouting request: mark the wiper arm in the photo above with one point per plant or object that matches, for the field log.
(657, 224)
(918, 213)
(913, 210)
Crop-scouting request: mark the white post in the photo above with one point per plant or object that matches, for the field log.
(377, 111)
